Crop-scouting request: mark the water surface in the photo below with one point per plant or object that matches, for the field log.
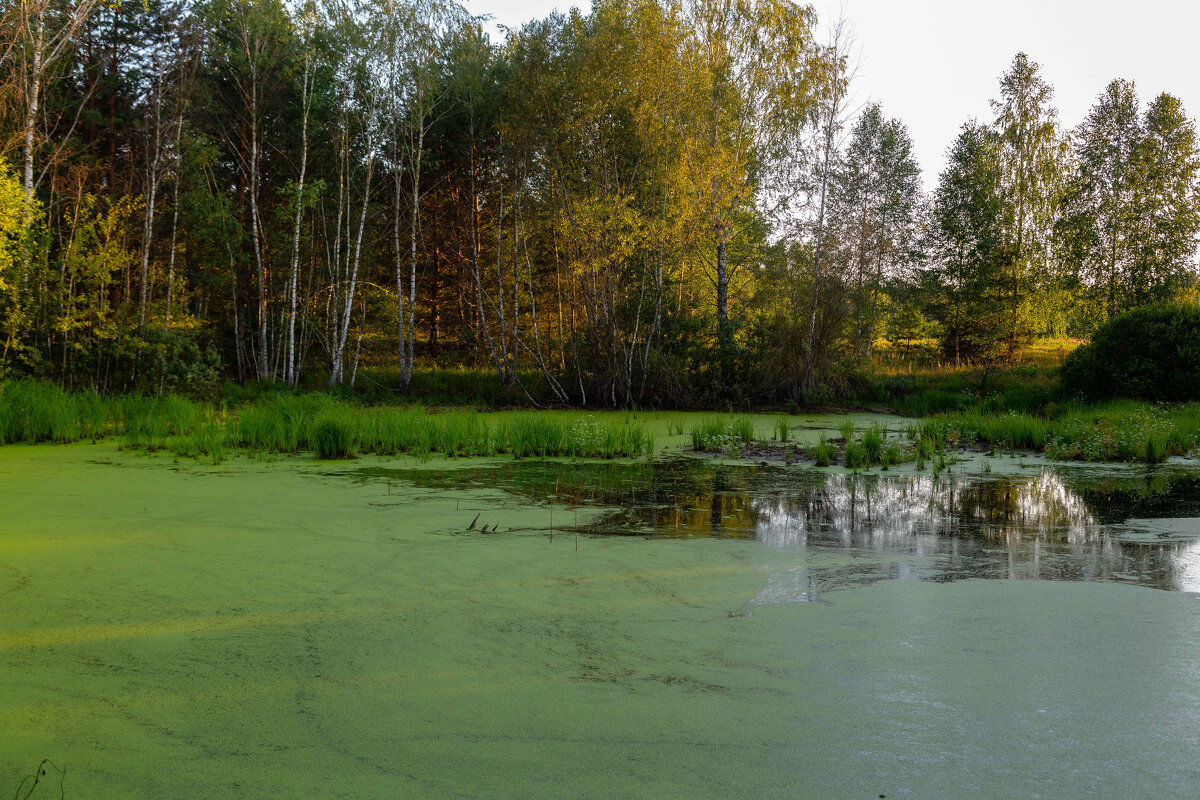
(1056, 522)
(684, 629)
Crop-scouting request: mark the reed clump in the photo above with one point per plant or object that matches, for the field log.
(720, 433)
(39, 411)
(287, 424)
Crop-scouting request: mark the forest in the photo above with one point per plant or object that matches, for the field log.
(661, 204)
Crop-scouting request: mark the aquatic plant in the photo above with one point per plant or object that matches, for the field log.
(722, 432)
(37, 411)
(823, 453)
(332, 437)
(872, 442)
(856, 456)
(894, 454)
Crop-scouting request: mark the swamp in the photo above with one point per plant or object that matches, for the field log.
(677, 624)
(443, 399)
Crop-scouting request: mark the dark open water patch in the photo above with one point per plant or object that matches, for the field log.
(1059, 523)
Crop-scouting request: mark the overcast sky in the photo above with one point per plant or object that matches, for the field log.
(936, 63)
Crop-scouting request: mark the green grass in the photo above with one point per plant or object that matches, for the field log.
(872, 443)
(38, 411)
(1029, 386)
(1116, 431)
(280, 422)
(290, 423)
(872, 448)
(855, 456)
(332, 437)
(1009, 431)
(824, 452)
(719, 433)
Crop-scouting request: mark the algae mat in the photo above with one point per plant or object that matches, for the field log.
(295, 629)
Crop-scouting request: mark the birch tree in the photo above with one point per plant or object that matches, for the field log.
(45, 33)
(1031, 159)
(832, 93)
(307, 21)
(419, 34)
(1168, 163)
(359, 131)
(754, 68)
(252, 59)
(1099, 228)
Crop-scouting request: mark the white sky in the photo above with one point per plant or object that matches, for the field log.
(936, 63)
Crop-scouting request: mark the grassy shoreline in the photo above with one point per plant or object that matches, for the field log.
(329, 427)
(35, 411)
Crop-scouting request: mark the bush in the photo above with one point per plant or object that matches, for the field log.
(1150, 353)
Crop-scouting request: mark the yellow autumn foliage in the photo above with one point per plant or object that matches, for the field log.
(12, 226)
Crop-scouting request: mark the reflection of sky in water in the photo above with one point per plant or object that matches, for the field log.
(1187, 558)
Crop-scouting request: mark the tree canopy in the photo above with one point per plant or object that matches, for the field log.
(649, 202)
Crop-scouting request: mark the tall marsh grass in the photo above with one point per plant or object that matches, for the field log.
(38, 411)
(286, 423)
(1118, 431)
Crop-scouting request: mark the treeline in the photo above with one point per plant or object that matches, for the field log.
(652, 203)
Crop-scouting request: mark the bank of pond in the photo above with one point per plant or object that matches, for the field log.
(333, 428)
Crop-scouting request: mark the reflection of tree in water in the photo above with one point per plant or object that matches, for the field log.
(1052, 525)
(1005, 527)
(909, 513)
(958, 526)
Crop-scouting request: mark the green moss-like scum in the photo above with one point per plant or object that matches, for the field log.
(280, 628)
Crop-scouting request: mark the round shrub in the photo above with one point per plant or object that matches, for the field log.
(332, 438)
(1150, 353)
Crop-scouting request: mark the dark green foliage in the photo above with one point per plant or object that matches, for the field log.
(994, 390)
(1150, 353)
(964, 283)
(1130, 215)
(176, 361)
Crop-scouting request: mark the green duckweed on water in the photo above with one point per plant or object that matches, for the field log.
(291, 627)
